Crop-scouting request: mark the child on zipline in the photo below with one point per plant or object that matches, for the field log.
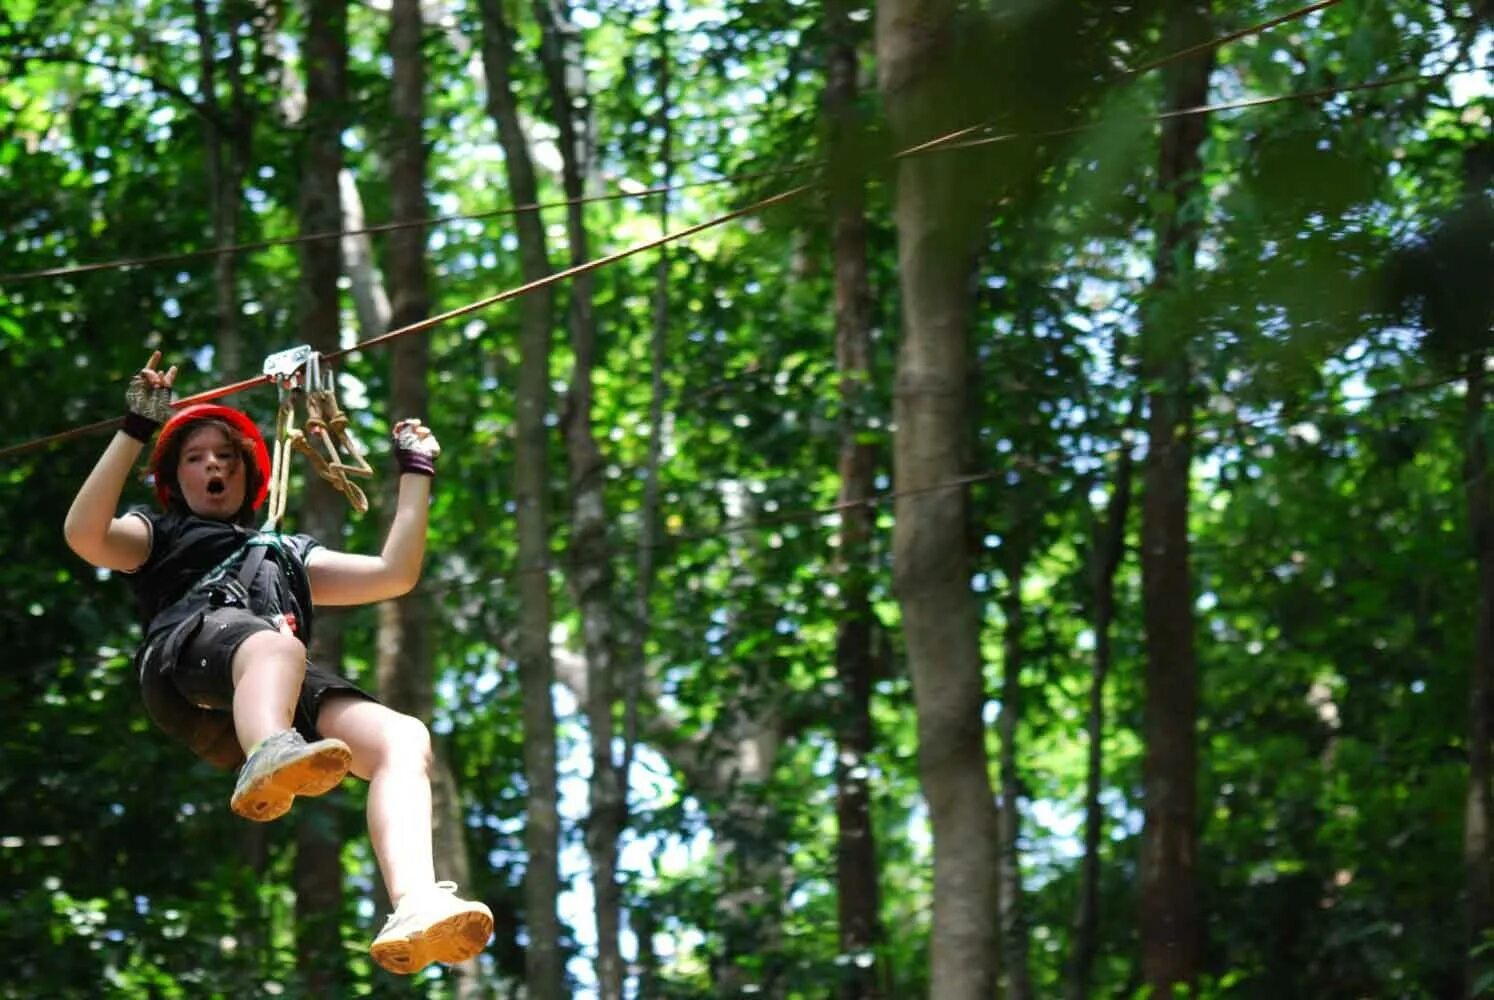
(227, 613)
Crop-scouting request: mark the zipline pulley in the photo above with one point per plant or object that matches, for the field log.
(324, 436)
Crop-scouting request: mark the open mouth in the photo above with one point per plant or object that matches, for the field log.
(216, 487)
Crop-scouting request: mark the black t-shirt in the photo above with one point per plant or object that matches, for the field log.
(184, 548)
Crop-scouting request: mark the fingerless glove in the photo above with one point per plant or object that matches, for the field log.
(412, 452)
(146, 407)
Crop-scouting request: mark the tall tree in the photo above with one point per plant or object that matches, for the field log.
(939, 222)
(319, 889)
(544, 965)
(366, 282)
(635, 669)
(858, 896)
(1107, 547)
(1171, 932)
(1016, 551)
(590, 563)
(1470, 258)
(226, 142)
(406, 646)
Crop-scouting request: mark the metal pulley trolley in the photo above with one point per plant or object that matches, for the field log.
(324, 436)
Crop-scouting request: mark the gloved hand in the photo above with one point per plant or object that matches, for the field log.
(415, 447)
(148, 399)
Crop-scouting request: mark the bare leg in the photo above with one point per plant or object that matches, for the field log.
(392, 752)
(268, 669)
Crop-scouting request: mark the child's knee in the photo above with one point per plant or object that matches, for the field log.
(286, 652)
(409, 741)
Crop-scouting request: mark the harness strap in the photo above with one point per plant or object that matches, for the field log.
(252, 561)
(254, 549)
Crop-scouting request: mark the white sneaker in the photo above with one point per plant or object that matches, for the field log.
(432, 925)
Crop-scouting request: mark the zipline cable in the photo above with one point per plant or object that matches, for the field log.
(227, 390)
(1202, 109)
(389, 227)
(875, 500)
(186, 255)
(211, 394)
(592, 265)
(1131, 74)
(1235, 36)
(1026, 463)
(932, 146)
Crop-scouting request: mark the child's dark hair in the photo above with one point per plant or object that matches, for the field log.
(171, 457)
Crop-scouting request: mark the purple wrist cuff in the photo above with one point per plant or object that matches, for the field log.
(139, 426)
(413, 461)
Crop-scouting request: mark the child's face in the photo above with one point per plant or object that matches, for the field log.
(210, 474)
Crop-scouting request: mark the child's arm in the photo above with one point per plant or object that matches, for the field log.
(91, 529)
(345, 578)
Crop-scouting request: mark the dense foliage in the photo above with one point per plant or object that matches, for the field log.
(1335, 569)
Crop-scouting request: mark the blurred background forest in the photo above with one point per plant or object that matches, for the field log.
(1050, 554)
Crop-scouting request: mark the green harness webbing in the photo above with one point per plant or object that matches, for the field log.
(254, 550)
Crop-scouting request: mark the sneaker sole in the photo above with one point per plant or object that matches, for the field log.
(317, 773)
(450, 941)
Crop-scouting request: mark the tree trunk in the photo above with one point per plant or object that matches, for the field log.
(406, 644)
(370, 300)
(318, 843)
(648, 960)
(755, 877)
(939, 224)
(643, 920)
(320, 208)
(544, 970)
(726, 768)
(858, 896)
(648, 515)
(225, 151)
(1014, 938)
(224, 156)
(319, 835)
(1477, 805)
(1171, 933)
(591, 575)
(406, 667)
(1109, 548)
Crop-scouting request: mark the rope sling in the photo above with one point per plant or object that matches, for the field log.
(324, 435)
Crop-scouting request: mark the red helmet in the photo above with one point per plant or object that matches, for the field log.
(189, 415)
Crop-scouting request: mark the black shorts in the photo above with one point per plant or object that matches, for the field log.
(203, 672)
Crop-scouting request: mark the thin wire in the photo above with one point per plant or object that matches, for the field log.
(425, 324)
(218, 393)
(805, 514)
(1232, 37)
(880, 499)
(1213, 43)
(760, 524)
(388, 227)
(1202, 109)
(185, 255)
(875, 500)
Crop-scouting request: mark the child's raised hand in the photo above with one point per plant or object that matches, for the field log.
(149, 391)
(148, 399)
(415, 447)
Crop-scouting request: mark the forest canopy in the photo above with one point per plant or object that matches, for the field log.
(936, 499)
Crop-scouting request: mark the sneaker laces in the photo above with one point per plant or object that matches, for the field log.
(410, 899)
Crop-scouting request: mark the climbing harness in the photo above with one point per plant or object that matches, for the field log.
(324, 435)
